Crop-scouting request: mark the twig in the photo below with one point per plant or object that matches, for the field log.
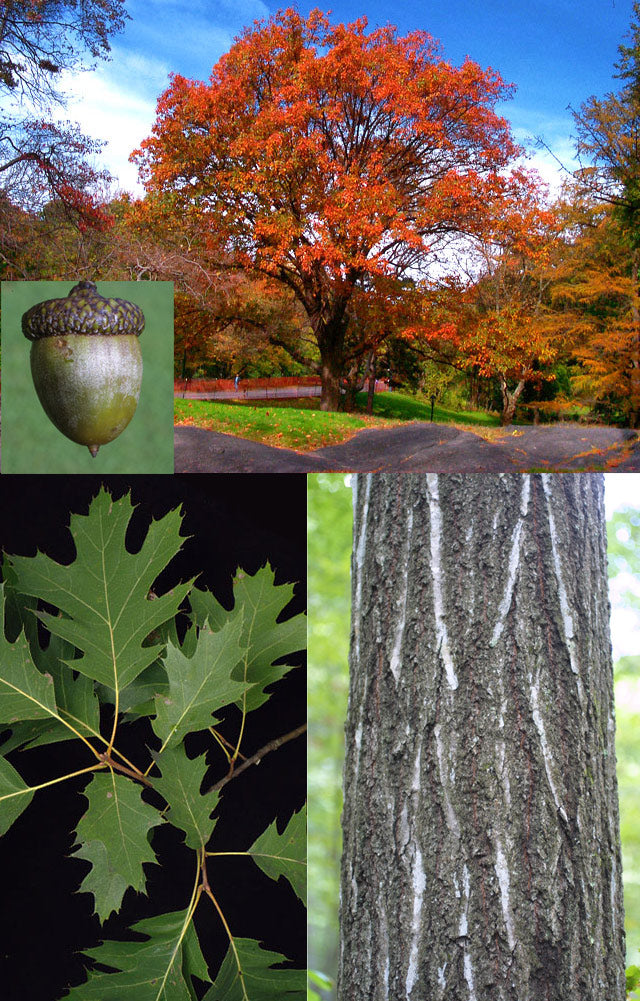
(138, 776)
(255, 759)
(226, 742)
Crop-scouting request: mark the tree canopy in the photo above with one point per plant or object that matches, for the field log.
(608, 145)
(331, 157)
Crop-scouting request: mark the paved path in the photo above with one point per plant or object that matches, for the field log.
(417, 448)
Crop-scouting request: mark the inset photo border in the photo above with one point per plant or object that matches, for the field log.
(32, 444)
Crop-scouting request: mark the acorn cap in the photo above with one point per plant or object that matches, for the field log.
(83, 311)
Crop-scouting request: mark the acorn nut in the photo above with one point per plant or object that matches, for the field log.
(86, 363)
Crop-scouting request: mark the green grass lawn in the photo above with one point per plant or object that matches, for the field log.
(298, 427)
(408, 408)
(299, 424)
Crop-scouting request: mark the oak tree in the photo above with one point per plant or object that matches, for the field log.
(330, 157)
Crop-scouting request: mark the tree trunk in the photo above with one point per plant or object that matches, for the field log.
(634, 410)
(371, 388)
(330, 394)
(509, 400)
(481, 855)
(353, 383)
(329, 327)
(474, 388)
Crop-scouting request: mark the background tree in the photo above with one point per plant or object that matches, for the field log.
(494, 329)
(594, 302)
(330, 157)
(39, 40)
(480, 768)
(608, 137)
(489, 319)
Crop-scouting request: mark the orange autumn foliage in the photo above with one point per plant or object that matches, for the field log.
(492, 317)
(595, 298)
(330, 157)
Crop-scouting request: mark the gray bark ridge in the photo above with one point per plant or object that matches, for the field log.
(481, 856)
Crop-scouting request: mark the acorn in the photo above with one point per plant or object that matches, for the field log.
(86, 363)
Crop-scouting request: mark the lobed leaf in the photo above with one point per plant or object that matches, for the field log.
(24, 733)
(138, 698)
(19, 609)
(180, 785)
(199, 684)
(193, 962)
(260, 601)
(147, 971)
(107, 886)
(285, 854)
(25, 693)
(74, 697)
(104, 593)
(114, 838)
(78, 710)
(15, 795)
(247, 974)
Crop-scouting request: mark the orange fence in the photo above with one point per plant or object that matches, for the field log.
(220, 385)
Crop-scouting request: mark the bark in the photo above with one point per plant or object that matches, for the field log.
(634, 410)
(328, 318)
(481, 853)
(330, 392)
(509, 400)
(352, 383)
(371, 388)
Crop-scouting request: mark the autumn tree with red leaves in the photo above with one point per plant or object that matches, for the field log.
(226, 319)
(329, 157)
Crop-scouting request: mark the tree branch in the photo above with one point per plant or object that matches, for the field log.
(137, 776)
(256, 758)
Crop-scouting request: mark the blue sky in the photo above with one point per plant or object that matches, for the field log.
(558, 53)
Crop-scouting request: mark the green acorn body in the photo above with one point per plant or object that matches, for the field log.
(86, 363)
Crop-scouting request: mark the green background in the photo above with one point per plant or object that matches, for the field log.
(31, 443)
(329, 530)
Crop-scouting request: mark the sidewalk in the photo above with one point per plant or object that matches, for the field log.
(417, 448)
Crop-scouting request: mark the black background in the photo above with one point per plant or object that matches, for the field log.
(233, 521)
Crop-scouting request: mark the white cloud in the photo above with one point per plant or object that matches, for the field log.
(116, 102)
(552, 172)
(547, 141)
(116, 112)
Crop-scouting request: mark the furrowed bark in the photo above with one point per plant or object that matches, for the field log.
(481, 834)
